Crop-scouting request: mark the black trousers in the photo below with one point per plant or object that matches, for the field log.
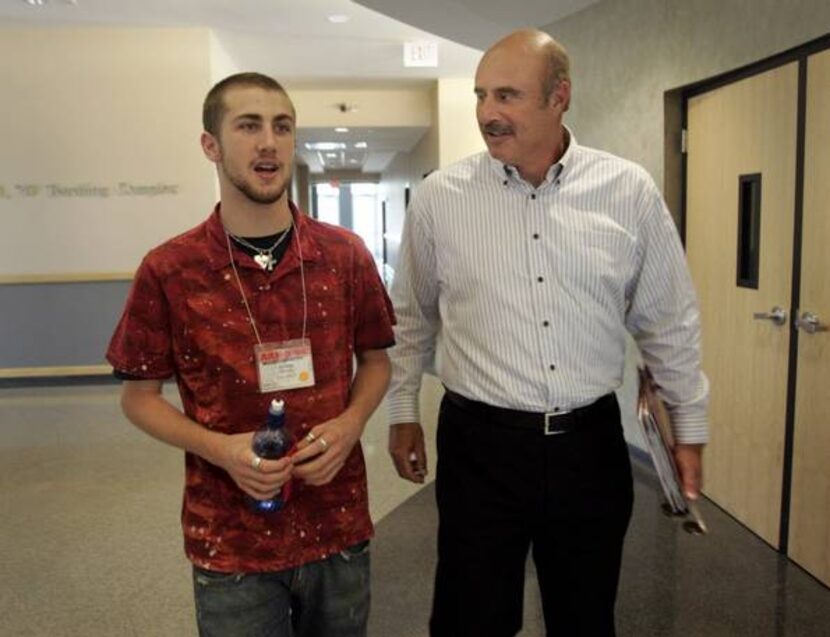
(503, 489)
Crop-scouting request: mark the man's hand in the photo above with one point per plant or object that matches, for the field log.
(324, 450)
(145, 406)
(690, 467)
(406, 446)
(260, 479)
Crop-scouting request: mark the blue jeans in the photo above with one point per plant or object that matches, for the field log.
(329, 598)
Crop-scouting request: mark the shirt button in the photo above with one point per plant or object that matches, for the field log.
(553, 368)
(533, 196)
(545, 323)
(535, 235)
(540, 279)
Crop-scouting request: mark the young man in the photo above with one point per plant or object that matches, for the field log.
(523, 267)
(261, 302)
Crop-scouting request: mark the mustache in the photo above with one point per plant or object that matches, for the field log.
(496, 128)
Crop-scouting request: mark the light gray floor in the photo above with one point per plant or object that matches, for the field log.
(90, 543)
(727, 584)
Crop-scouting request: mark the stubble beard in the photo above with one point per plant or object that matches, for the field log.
(250, 191)
(262, 197)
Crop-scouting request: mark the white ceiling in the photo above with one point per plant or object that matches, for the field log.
(285, 38)
(382, 145)
(476, 23)
(294, 41)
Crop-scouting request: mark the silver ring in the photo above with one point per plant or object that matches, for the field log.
(310, 437)
(323, 443)
(256, 462)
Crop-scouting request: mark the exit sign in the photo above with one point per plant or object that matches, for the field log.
(420, 54)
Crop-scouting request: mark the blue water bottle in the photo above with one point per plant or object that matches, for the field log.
(271, 442)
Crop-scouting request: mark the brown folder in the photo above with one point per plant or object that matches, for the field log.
(657, 431)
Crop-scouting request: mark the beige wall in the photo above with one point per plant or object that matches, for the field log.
(457, 128)
(426, 155)
(454, 136)
(407, 170)
(86, 111)
(374, 107)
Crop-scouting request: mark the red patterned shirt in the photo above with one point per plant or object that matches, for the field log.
(185, 317)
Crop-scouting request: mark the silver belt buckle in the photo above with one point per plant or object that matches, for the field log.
(549, 418)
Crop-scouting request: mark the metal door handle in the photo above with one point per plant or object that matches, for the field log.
(810, 323)
(778, 315)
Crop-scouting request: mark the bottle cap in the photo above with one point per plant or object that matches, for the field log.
(277, 406)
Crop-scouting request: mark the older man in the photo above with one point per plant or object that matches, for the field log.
(521, 270)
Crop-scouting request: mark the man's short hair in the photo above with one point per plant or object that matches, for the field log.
(557, 68)
(214, 108)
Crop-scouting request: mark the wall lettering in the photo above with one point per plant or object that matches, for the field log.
(88, 190)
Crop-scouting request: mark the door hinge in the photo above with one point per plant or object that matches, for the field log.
(683, 142)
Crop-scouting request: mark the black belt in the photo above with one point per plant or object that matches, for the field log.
(551, 423)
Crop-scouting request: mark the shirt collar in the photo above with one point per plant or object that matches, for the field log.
(508, 173)
(218, 243)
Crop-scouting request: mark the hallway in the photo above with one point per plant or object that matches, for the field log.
(91, 544)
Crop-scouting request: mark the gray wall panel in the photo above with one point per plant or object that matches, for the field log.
(58, 324)
(626, 54)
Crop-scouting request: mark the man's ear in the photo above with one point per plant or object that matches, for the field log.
(211, 148)
(561, 96)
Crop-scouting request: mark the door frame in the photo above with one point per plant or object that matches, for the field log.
(676, 104)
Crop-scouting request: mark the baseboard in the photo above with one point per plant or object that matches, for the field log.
(53, 376)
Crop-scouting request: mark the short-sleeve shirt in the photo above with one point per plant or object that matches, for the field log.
(185, 318)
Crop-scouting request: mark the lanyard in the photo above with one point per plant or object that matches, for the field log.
(242, 290)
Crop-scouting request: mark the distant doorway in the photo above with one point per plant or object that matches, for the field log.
(354, 206)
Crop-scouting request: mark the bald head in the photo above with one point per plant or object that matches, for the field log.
(537, 46)
(522, 91)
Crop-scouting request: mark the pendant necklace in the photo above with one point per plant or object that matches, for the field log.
(264, 257)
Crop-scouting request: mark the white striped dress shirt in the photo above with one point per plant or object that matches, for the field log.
(520, 296)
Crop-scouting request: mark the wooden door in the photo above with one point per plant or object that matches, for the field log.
(809, 539)
(742, 148)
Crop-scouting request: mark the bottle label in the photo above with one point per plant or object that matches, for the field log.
(286, 365)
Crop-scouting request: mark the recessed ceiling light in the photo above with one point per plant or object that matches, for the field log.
(35, 3)
(341, 129)
(338, 18)
(325, 145)
(361, 145)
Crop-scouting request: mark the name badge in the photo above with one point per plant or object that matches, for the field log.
(286, 365)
